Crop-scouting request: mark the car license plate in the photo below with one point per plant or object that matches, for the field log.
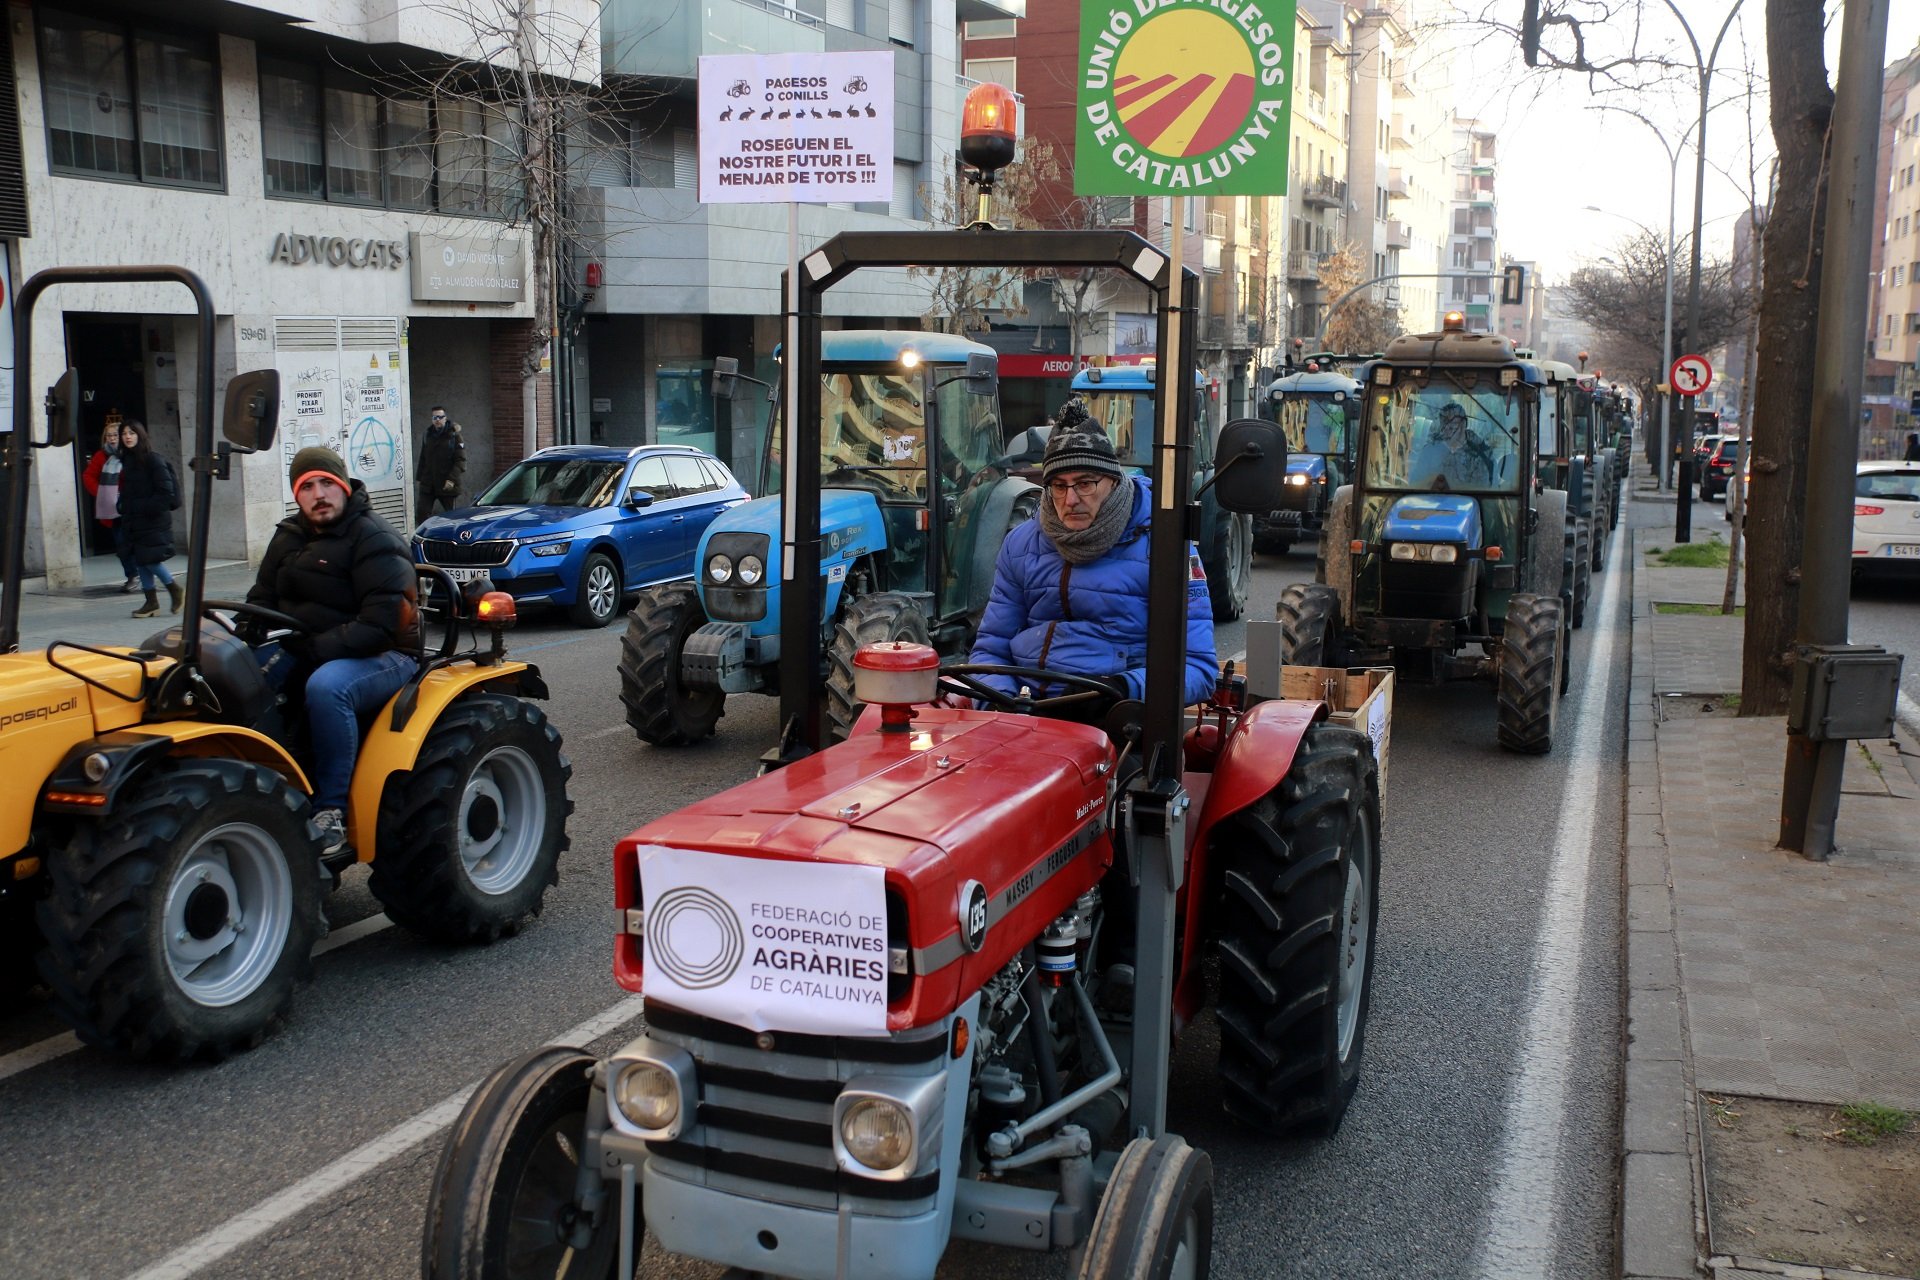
(1903, 549)
(461, 575)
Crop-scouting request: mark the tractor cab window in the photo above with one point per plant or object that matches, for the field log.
(873, 432)
(556, 482)
(970, 434)
(1314, 422)
(1127, 418)
(1448, 431)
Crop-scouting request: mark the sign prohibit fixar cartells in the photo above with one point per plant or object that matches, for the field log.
(766, 945)
(812, 128)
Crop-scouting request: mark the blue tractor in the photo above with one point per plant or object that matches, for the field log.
(1318, 409)
(1120, 399)
(916, 500)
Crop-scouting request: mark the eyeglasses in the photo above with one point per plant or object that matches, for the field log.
(439, 417)
(1081, 488)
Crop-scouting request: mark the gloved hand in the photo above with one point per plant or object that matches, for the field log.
(297, 643)
(250, 629)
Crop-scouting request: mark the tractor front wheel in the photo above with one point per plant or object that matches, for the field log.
(504, 1203)
(1229, 565)
(179, 927)
(470, 838)
(1155, 1220)
(1579, 536)
(663, 711)
(1300, 882)
(1532, 655)
(1309, 621)
(864, 620)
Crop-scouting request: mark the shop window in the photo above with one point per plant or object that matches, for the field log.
(153, 116)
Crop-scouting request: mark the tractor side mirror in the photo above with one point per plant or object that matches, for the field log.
(726, 377)
(1251, 465)
(983, 374)
(252, 412)
(63, 410)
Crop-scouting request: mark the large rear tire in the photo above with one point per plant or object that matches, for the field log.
(1155, 1220)
(1578, 537)
(503, 1202)
(1532, 650)
(1300, 879)
(1309, 624)
(180, 926)
(1229, 565)
(864, 620)
(664, 712)
(470, 838)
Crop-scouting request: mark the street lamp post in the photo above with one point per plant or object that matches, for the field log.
(1666, 323)
(1683, 508)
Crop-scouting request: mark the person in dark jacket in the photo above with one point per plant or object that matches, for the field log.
(102, 481)
(1070, 585)
(443, 466)
(149, 495)
(341, 570)
(1913, 447)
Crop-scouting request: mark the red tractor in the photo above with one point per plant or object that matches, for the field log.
(922, 985)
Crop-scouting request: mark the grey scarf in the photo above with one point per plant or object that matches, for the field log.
(1084, 546)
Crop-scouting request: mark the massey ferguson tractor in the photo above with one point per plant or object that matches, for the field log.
(158, 857)
(917, 500)
(920, 985)
(1445, 556)
(1317, 408)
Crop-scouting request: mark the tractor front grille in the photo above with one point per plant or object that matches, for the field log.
(765, 1119)
(442, 552)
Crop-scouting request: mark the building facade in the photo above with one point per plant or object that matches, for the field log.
(1893, 325)
(1317, 198)
(1472, 252)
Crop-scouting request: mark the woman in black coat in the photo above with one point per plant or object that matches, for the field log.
(149, 495)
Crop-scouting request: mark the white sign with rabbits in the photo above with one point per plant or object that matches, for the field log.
(813, 128)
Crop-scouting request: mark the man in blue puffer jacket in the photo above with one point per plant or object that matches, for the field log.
(1070, 586)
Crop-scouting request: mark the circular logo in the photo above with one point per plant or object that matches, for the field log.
(694, 938)
(447, 258)
(973, 915)
(1165, 102)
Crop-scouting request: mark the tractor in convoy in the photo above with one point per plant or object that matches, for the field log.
(1446, 556)
(1119, 398)
(1568, 468)
(920, 985)
(917, 499)
(1318, 408)
(158, 858)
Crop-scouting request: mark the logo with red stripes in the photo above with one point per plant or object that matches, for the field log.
(1183, 97)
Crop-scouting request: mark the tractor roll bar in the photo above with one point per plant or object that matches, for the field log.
(19, 451)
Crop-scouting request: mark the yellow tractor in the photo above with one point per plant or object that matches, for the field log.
(158, 857)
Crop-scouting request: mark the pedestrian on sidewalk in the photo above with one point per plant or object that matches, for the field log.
(443, 466)
(1913, 447)
(149, 495)
(102, 481)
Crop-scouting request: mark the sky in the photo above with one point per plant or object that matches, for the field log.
(1558, 154)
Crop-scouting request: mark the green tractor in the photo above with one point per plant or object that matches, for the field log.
(1569, 466)
(1447, 555)
(916, 499)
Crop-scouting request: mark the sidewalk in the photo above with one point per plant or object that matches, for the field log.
(96, 612)
(1751, 972)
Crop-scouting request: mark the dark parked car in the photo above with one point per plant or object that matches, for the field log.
(584, 526)
(1718, 471)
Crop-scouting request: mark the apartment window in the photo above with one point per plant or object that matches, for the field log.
(1899, 276)
(1913, 322)
(653, 160)
(990, 29)
(409, 154)
(900, 21)
(991, 71)
(153, 116)
(353, 147)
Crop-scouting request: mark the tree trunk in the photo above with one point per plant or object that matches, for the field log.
(1802, 103)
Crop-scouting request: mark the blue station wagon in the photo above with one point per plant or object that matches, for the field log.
(583, 526)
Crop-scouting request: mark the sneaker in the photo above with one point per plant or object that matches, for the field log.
(332, 826)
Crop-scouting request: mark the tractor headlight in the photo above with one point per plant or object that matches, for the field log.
(648, 1095)
(751, 571)
(1425, 552)
(877, 1132)
(1297, 479)
(719, 569)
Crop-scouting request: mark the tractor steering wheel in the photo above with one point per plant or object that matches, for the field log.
(272, 617)
(960, 679)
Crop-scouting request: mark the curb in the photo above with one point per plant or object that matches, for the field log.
(1661, 1196)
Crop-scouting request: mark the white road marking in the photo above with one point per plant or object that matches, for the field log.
(610, 731)
(1520, 1237)
(44, 1051)
(205, 1250)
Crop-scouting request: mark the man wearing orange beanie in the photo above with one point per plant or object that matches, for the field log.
(345, 574)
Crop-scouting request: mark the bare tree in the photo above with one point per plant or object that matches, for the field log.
(961, 299)
(1360, 323)
(1620, 298)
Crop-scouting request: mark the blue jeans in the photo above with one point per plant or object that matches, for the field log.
(337, 693)
(150, 572)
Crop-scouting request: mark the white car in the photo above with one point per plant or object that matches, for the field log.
(1886, 519)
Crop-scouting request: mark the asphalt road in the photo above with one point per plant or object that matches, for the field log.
(1482, 1142)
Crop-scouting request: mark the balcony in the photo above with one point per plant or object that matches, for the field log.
(1483, 232)
(1323, 192)
(1391, 294)
(677, 36)
(987, 10)
(1257, 334)
(1304, 264)
(1317, 105)
(1479, 299)
(1398, 237)
(1213, 331)
(1397, 185)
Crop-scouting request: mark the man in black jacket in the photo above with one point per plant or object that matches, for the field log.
(341, 570)
(443, 466)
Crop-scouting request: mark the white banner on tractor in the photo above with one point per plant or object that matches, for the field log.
(771, 946)
(814, 128)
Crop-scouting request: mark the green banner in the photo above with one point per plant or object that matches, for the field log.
(1184, 98)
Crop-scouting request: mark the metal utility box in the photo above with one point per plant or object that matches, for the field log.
(1843, 691)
